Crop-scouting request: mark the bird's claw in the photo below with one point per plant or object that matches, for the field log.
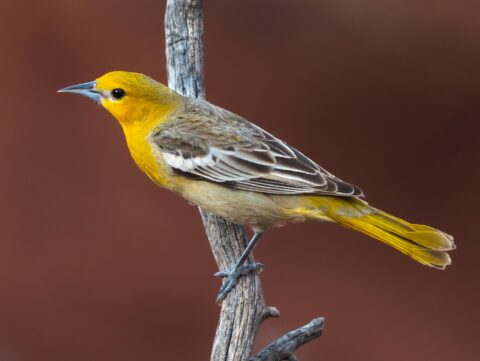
(231, 278)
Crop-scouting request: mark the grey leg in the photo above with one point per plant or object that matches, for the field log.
(239, 269)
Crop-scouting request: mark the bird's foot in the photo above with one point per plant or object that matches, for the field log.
(231, 278)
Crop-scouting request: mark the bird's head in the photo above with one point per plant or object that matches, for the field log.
(129, 97)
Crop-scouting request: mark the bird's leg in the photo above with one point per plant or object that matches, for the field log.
(239, 270)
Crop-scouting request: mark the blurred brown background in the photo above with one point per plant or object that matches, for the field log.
(97, 263)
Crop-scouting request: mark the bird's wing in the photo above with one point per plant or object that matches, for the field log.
(224, 148)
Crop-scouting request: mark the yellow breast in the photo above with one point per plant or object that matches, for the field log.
(145, 153)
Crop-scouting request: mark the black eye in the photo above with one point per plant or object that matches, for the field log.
(118, 93)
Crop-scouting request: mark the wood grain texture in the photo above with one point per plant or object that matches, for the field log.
(284, 347)
(244, 309)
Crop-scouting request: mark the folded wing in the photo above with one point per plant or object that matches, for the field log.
(213, 144)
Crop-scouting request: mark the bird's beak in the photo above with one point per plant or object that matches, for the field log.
(85, 89)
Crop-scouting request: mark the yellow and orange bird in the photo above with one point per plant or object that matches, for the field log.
(231, 167)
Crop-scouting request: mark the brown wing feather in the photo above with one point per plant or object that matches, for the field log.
(210, 143)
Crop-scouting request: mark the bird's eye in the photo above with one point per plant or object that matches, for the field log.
(118, 93)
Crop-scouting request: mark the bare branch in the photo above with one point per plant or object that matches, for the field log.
(284, 347)
(244, 308)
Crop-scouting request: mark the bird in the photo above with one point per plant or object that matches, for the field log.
(229, 166)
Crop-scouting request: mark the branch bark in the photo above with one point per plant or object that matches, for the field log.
(244, 308)
(284, 347)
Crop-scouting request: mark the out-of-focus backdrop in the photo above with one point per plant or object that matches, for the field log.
(97, 263)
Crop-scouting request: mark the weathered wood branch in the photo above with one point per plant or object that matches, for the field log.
(284, 347)
(244, 308)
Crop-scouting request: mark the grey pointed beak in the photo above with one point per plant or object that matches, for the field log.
(85, 89)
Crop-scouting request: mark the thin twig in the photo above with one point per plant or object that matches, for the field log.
(284, 347)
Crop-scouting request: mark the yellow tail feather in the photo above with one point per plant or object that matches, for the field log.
(424, 244)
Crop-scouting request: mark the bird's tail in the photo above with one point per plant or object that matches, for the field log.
(424, 244)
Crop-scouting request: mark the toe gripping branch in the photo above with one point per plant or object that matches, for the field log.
(284, 347)
(239, 269)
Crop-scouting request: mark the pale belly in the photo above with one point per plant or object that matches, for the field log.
(258, 210)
